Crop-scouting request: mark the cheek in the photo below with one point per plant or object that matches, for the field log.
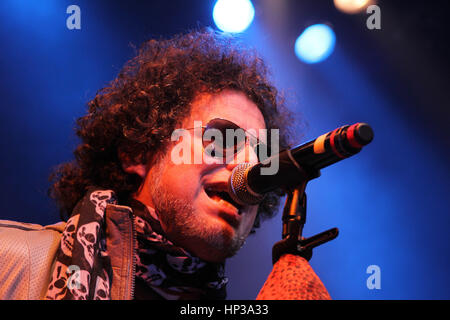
(182, 181)
(248, 221)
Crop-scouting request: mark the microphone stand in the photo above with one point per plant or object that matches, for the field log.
(294, 219)
(292, 278)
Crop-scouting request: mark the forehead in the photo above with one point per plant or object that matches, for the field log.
(230, 105)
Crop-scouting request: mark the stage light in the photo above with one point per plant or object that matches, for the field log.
(315, 44)
(352, 6)
(233, 15)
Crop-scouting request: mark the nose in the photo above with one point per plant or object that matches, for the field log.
(247, 154)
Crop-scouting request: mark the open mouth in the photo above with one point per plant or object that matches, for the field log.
(218, 193)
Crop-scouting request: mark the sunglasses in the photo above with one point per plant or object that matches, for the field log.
(223, 139)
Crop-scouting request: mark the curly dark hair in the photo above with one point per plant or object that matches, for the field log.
(137, 112)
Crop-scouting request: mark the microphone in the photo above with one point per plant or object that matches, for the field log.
(248, 184)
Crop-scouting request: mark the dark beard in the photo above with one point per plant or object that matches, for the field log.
(185, 225)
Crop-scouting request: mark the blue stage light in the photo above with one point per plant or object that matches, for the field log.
(233, 15)
(315, 44)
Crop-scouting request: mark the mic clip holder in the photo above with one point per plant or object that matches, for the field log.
(294, 219)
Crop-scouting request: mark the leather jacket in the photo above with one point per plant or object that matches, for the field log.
(28, 252)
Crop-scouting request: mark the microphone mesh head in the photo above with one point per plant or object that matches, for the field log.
(238, 188)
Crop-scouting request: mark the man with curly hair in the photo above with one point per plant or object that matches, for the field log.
(139, 225)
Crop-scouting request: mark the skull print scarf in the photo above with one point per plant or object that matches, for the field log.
(82, 269)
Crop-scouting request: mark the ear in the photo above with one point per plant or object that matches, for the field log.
(139, 169)
(131, 166)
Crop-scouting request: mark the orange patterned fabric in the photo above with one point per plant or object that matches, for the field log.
(292, 278)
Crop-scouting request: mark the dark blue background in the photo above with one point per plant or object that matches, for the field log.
(390, 202)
